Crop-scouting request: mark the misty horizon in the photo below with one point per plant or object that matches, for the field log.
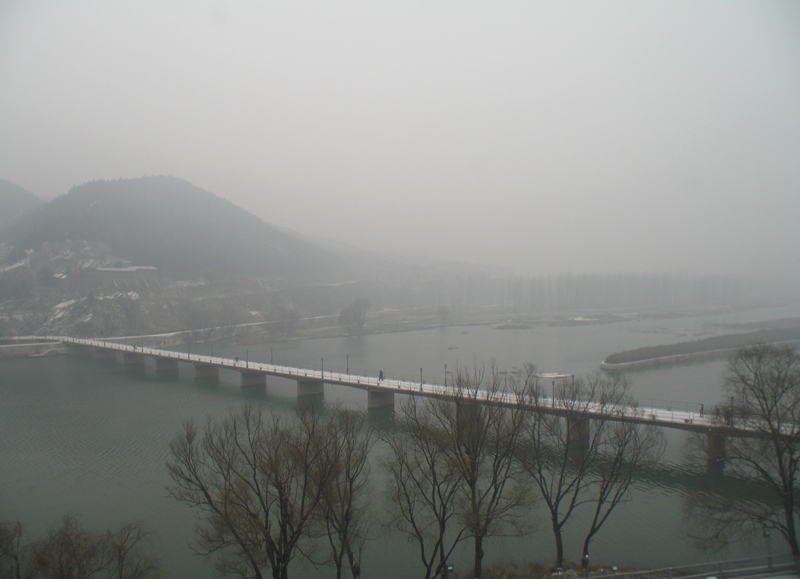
(542, 138)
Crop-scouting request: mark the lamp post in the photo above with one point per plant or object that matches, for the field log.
(445, 375)
(420, 379)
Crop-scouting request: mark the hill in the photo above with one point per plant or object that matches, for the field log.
(173, 225)
(15, 202)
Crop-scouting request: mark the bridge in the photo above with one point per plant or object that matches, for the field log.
(380, 392)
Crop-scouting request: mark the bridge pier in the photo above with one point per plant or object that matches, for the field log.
(165, 368)
(579, 429)
(716, 455)
(130, 360)
(380, 399)
(469, 421)
(206, 372)
(310, 387)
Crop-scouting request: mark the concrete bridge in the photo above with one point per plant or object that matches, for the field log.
(380, 392)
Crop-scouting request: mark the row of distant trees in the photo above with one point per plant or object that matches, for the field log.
(459, 469)
(69, 551)
(464, 289)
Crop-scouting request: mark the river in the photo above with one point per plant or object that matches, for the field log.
(84, 437)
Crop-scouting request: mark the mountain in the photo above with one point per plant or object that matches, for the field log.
(173, 225)
(15, 202)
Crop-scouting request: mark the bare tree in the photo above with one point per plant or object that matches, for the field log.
(571, 448)
(453, 470)
(345, 496)
(68, 551)
(624, 449)
(423, 486)
(14, 559)
(126, 550)
(284, 320)
(761, 452)
(258, 481)
(354, 314)
(482, 432)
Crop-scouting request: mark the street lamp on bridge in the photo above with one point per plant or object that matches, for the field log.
(555, 376)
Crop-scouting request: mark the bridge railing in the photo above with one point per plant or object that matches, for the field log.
(719, 569)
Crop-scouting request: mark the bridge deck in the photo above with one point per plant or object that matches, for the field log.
(659, 416)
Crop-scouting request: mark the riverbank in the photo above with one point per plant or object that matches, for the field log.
(28, 347)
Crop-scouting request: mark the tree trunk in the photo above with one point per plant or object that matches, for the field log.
(478, 556)
(355, 568)
(792, 540)
(559, 547)
(281, 571)
(585, 558)
(791, 530)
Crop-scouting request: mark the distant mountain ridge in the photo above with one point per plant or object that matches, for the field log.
(173, 225)
(15, 202)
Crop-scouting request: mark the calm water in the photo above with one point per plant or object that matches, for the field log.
(80, 436)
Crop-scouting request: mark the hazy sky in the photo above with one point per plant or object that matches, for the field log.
(546, 136)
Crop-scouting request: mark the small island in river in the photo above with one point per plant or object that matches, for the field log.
(705, 347)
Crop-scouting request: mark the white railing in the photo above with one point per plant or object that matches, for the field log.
(757, 566)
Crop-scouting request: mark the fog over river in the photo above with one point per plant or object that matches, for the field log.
(83, 436)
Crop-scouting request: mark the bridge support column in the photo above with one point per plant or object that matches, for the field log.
(130, 360)
(468, 420)
(380, 399)
(165, 368)
(310, 387)
(205, 372)
(578, 436)
(715, 444)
